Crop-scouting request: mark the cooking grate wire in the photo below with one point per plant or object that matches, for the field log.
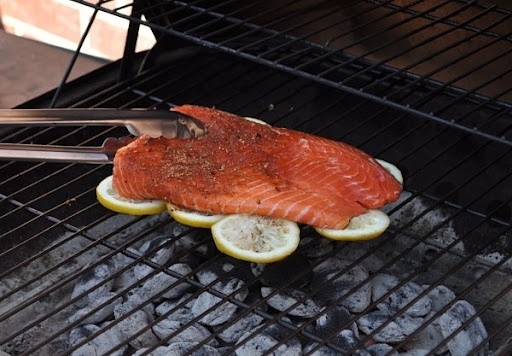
(295, 70)
(444, 85)
(410, 277)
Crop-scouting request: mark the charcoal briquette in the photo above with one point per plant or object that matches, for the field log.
(182, 330)
(396, 330)
(335, 281)
(218, 310)
(398, 299)
(136, 321)
(237, 328)
(468, 336)
(441, 296)
(184, 348)
(99, 345)
(300, 303)
(111, 299)
(94, 282)
(165, 282)
(260, 343)
(381, 349)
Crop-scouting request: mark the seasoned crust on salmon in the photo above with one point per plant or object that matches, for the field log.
(243, 167)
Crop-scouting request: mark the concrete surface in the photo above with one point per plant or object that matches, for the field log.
(29, 68)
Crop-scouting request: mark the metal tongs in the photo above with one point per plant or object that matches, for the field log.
(170, 124)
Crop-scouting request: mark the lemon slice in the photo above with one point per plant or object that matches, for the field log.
(363, 227)
(258, 121)
(391, 168)
(192, 218)
(110, 199)
(255, 238)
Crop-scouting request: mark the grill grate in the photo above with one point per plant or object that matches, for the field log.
(357, 46)
(452, 226)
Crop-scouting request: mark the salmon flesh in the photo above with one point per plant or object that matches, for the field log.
(242, 167)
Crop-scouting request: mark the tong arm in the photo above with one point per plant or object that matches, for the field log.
(138, 121)
(71, 154)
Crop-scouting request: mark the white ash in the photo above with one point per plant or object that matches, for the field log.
(172, 329)
(180, 306)
(467, 337)
(394, 331)
(99, 345)
(381, 349)
(93, 282)
(162, 281)
(293, 301)
(100, 313)
(401, 297)
(184, 348)
(238, 328)
(429, 339)
(440, 297)
(159, 250)
(259, 343)
(214, 310)
(133, 320)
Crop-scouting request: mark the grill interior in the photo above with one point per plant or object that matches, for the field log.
(421, 84)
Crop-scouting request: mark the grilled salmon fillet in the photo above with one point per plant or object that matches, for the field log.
(242, 167)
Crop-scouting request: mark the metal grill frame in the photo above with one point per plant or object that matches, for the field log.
(134, 88)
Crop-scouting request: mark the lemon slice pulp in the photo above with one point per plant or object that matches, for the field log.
(111, 200)
(391, 168)
(255, 238)
(192, 218)
(363, 227)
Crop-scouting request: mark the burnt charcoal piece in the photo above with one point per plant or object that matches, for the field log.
(427, 339)
(334, 281)
(159, 351)
(398, 299)
(180, 306)
(293, 271)
(333, 321)
(158, 250)
(163, 281)
(93, 281)
(383, 283)
(99, 345)
(259, 342)
(396, 330)
(184, 330)
(136, 321)
(468, 336)
(344, 340)
(381, 349)
(183, 348)
(303, 306)
(216, 310)
(237, 329)
(440, 297)
(99, 315)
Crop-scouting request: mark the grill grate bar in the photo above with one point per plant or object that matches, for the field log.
(409, 278)
(434, 54)
(312, 76)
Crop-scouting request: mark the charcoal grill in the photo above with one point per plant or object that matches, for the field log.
(422, 84)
